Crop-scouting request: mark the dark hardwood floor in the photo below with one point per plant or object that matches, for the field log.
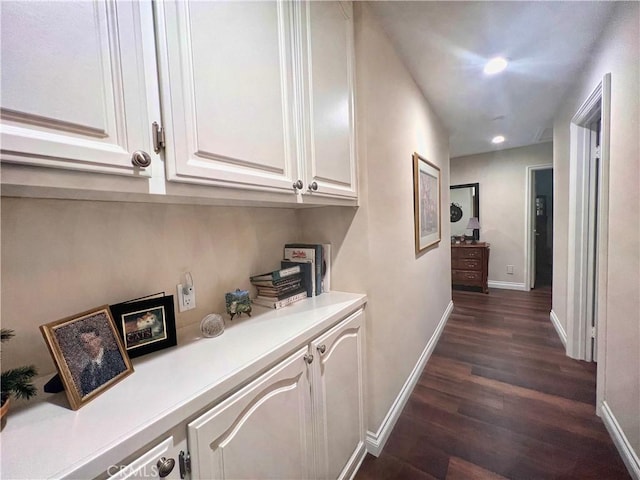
(499, 399)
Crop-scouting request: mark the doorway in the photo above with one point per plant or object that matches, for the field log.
(538, 252)
(543, 228)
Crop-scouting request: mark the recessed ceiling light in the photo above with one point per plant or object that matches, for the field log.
(497, 139)
(495, 65)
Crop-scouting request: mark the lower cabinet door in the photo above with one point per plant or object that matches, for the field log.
(338, 396)
(263, 431)
(160, 461)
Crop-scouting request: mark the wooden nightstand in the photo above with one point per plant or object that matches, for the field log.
(470, 265)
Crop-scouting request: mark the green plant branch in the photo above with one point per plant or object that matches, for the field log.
(16, 381)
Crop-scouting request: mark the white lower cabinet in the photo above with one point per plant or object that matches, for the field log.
(263, 431)
(278, 396)
(302, 419)
(338, 398)
(158, 461)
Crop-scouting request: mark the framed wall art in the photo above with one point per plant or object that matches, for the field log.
(88, 354)
(147, 324)
(426, 203)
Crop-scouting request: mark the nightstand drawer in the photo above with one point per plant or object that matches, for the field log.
(469, 252)
(466, 277)
(466, 264)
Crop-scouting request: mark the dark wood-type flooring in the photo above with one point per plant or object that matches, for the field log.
(500, 399)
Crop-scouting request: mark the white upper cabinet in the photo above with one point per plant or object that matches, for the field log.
(228, 106)
(259, 95)
(77, 79)
(255, 97)
(329, 102)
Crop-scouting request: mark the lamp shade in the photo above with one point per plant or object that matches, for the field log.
(473, 223)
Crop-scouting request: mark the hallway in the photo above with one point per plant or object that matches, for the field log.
(499, 399)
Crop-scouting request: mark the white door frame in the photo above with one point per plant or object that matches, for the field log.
(578, 332)
(529, 229)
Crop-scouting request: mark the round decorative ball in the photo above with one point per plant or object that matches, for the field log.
(212, 325)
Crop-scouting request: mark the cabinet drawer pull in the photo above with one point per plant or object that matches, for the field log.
(308, 359)
(298, 185)
(322, 348)
(165, 466)
(141, 159)
(313, 186)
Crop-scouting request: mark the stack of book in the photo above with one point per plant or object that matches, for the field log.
(279, 288)
(318, 257)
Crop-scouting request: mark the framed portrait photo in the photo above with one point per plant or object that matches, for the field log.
(426, 203)
(88, 354)
(146, 325)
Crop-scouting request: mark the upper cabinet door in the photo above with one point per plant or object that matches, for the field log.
(76, 82)
(329, 106)
(227, 92)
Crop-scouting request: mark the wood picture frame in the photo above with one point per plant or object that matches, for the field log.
(427, 203)
(146, 325)
(88, 354)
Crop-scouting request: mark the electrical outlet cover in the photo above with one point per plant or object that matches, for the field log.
(186, 301)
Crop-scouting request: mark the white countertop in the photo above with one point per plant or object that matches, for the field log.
(46, 439)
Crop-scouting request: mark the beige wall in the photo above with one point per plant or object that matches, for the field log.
(502, 176)
(618, 54)
(62, 257)
(408, 293)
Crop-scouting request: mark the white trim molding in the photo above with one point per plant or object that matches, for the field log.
(507, 285)
(377, 440)
(629, 456)
(580, 289)
(555, 321)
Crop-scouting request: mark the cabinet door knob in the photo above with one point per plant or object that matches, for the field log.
(165, 466)
(298, 185)
(322, 348)
(313, 186)
(141, 159)
(308, 359)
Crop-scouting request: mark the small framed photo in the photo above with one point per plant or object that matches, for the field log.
(146, 325)
(88, 354)
(426, 203)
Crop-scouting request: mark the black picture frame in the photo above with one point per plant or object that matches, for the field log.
(474, 189)
(146, 325)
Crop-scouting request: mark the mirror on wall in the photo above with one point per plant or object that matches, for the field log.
(465, 203)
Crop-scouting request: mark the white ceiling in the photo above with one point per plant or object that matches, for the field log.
(446, 44)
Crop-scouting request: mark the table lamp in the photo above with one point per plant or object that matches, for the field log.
(472, 225)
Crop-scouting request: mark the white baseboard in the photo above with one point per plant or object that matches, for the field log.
(629, 457)
(353, 465)
(506, 285)
(377, 440)
(559, 328)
